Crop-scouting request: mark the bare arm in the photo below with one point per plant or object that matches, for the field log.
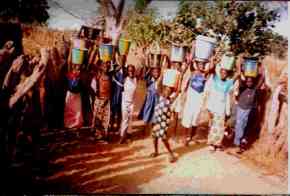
(24, 87)
(16, 65)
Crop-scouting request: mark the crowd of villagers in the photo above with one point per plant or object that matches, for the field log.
(48, 91)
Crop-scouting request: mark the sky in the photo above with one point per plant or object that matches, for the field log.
(71, 14)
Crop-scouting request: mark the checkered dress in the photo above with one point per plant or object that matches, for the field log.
(162, 117)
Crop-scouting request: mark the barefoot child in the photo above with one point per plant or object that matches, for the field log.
(130, 85)
(102, 100)
(162, 117)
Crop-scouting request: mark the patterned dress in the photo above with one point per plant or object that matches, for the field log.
(102, 105)
(162, 118)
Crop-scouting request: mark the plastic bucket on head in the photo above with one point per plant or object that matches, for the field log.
(171, 78)
(155, 60)
(78, 56)
(177, 54)
(90, 33)
(204, 47)
(80, 44)
(228, 62)
(106, 52)
(124, 46)
(250, 67)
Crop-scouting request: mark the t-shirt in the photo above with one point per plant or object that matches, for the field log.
(247, 98)
(130, 86)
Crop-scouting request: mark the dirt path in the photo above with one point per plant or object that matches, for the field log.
(101, 168)
(90, 167)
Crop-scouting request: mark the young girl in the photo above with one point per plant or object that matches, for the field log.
(102, 111)
(118, 77)
(73, 116)
(130, 85)
(147, 111)
(162, 117)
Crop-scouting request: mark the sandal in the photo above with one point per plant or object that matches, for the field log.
(187, 141)
(212, 148)
(154, 154)
(172, 159)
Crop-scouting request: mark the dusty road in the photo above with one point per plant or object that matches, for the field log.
(101, 168)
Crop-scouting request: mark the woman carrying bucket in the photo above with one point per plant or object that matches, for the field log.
(217, 94)
(194, 97)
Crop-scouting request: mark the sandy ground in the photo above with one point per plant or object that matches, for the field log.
(90, 167)
(101, 168)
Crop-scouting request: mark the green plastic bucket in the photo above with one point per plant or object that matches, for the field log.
(78, 56)
(228, 62)
(124, 46)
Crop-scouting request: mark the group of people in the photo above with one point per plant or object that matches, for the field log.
(101, 96)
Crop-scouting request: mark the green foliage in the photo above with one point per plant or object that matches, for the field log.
(27, 11)
(239, 26)
(141, 5)
(141, 27)
(246, 24)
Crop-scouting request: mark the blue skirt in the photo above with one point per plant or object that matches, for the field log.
(147, 112)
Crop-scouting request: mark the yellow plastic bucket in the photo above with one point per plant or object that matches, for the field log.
(124, 46)
(106, 52)
(251, 68)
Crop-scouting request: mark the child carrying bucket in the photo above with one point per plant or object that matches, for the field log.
(102, 109)
(162, 118)
(128, 94)
(153, 83)
(246, 98)
(118, 77)
(152, 79)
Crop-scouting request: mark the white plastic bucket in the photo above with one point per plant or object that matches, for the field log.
(171, 78)
(204, 47)
(177, 54)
